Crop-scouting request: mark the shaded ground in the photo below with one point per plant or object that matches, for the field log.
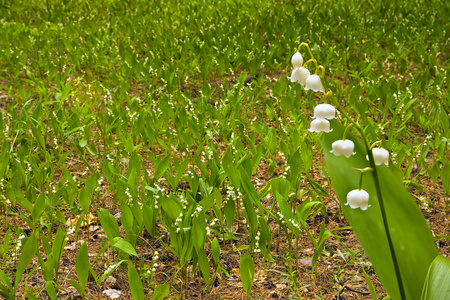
(338, 276)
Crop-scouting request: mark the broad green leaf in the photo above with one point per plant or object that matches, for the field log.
(203, 262)
(109, 224)
(4, 158)
(127, 218)
(80, 289)
(161, 291)
(136, 287)
(215, 250)
(82, 267)
(413, 242)
(58, 247)
(247, 271)
(149, 221)
(199, 231)
(37, 134)
(229, 211)
(230, 169)
(171, 207)
(125, 246)
(39, 206)
(250, 189)
(84, 199)
(265, 239)
(161, 167)
(26, 255)
(5, 284)
(250, 214)
(50, 288)
(445, 177)
(437, 283)
(208, 201)
(31, 297)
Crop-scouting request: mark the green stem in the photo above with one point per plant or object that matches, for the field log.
(311, 60)
(345, 131)
(386, 226)
(380, 200)
(320, 67)
(307, 46)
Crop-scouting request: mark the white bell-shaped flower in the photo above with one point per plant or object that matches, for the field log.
(325, 111)
(358, 199)
(313, 83)
(297, 60)
(380, 156)
(300, 75)
(320, 125)
(343, 147)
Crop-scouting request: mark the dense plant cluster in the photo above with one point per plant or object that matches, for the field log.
(176, 136)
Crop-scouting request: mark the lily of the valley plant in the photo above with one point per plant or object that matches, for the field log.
(404, 275)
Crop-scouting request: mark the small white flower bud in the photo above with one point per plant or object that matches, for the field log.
(297, 60)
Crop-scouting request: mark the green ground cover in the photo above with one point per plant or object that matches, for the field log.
(159, 149)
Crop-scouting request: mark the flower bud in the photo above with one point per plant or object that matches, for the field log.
(297, 60)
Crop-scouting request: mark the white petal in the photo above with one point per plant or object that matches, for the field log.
(303, 74)
(313, 83)
(325, 111)
(295, 75)
(380, 156)
(358, 199)
(320, 125)
(341, 147)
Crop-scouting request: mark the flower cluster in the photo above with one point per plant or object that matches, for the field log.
(303, 76)
(322, 113)
(197, 211)
(357, 198)
(257, 238)
(178, 222)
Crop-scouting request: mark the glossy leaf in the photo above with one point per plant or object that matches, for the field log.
(215, 250)
(247, 271)
(125, 246)
(136, 287)
(109, 224)
(26, 255)
(437, 284)
(82, 267)
(161, 291)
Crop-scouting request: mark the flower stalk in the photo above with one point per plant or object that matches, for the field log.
(386, 225)
(380, 199)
